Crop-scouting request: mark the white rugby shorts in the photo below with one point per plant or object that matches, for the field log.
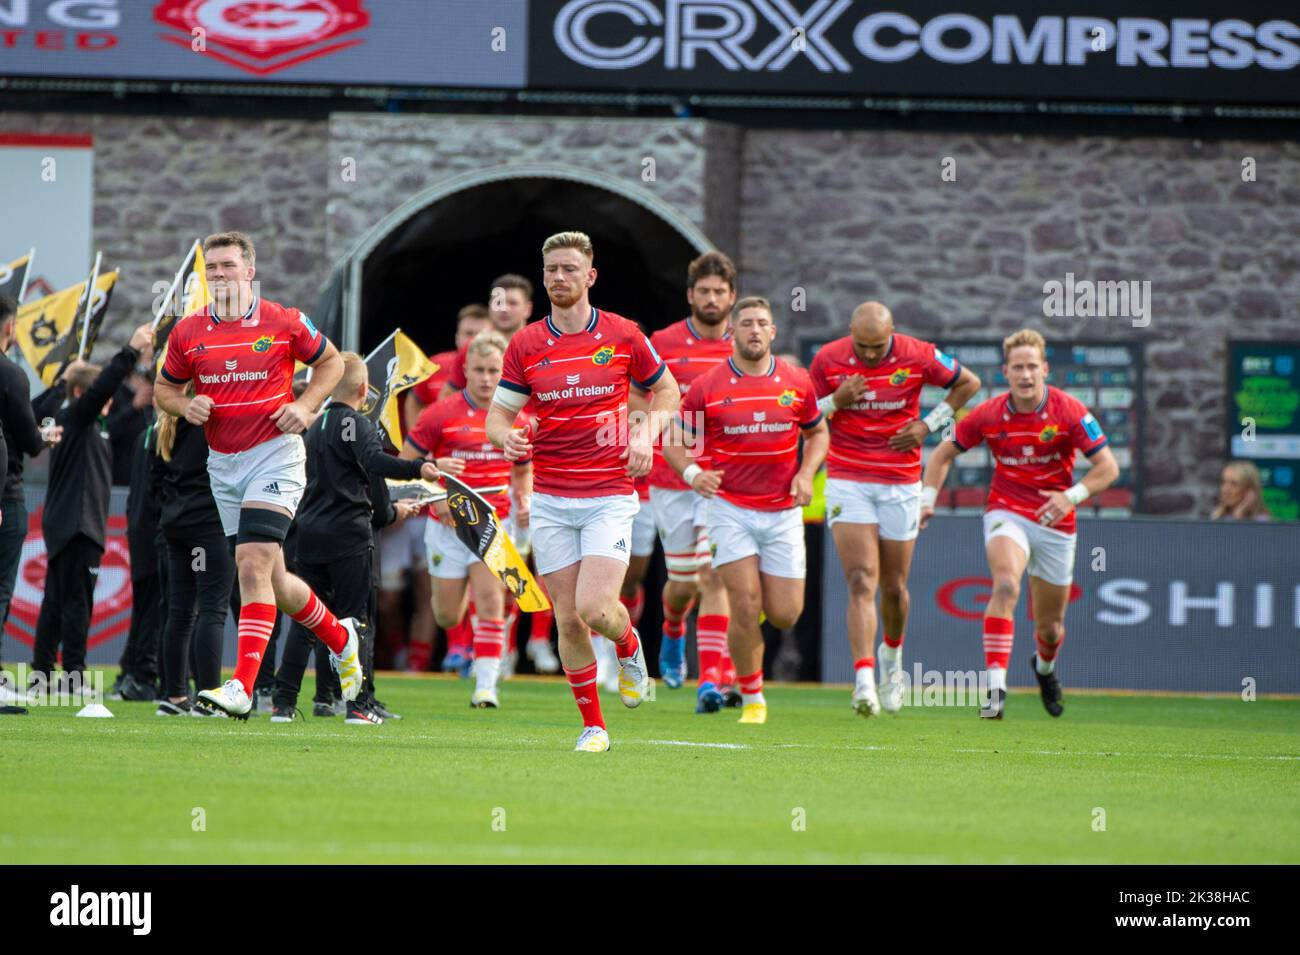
(775, 536)
(567, 529)
(273, 472)
(682, 517)
(894, 508)
(1051, 552)
(401, 548)
(643, 530)
(448, 557)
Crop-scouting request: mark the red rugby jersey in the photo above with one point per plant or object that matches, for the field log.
(427, 391)
(579, 385)
(689, 357)
(860, 434)
(1033, 450)
(751, 430)
(455, 427)
(245, 365)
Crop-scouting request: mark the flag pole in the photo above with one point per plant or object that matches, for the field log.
(382, 344)
(90, 303)
(27, 274)
(162, 309)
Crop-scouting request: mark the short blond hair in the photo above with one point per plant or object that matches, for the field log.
(354, 373)
(486, 342)
(570, 240)
(1026, 337)
(245, 245)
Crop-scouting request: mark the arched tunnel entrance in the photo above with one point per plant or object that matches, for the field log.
(443, 249)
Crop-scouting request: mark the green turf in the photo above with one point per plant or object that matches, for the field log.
(1181, 779)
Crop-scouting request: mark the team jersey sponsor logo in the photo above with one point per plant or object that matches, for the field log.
(200, 348)
(229, 377)
(1090, 427)
(946, 360)
(758, 427)
(786, 399)
(231, 364)
(263, 344)
(572, 379)
(1049, 434)
(586, 391)
(900, 376)
(603, 355)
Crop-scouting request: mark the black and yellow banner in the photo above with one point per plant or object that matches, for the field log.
(397, 364)
(49, 330)
(479, 529)
(188, 294)
(14, 275)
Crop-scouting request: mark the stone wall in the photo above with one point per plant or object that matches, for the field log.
(399, 156)
(845, 215)
(162, 182)
(850, 216)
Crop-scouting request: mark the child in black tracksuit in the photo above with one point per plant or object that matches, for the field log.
(76, 505)
(335, 539)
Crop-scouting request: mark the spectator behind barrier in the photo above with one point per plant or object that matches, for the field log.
(1241, 494)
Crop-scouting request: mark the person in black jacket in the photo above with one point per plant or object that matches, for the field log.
(21, 437)
(76, 504)
(335, 537)
(200, 567)
(138, 678)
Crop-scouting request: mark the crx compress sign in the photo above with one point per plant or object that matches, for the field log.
(1244, 52)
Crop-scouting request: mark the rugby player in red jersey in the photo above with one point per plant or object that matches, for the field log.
(1033, 432)
(578, 366)
(749, 413)
(240, 355)
(869, 387)
(692, 348)
(453, 427)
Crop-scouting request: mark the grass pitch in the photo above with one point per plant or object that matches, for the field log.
(1179, 779)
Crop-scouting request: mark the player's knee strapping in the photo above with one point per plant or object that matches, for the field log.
(258, 525)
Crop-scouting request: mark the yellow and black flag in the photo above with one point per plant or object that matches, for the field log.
(397, 364)
(14, 275)
(49, 330)
(479, 529)
(187, 294)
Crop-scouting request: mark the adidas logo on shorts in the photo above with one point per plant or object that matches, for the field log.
(621, 546)
(272, 488)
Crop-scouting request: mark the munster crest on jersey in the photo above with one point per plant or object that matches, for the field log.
(900, 376)
(786, 399)
(603, 355)
(263, 343)
(1049, 433)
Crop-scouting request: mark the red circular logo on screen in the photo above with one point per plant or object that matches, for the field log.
(262, 36)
